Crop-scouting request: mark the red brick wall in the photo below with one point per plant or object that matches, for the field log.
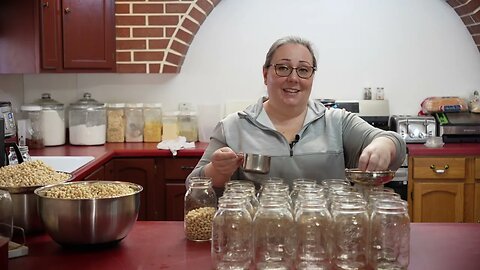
(153, 36)
(469, 12)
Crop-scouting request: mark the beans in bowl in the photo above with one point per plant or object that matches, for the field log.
(30, 173)
(95, 190)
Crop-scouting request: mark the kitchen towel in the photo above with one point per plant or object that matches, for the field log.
(176, 144)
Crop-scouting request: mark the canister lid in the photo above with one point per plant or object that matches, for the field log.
(134, 105)
(115, 105)
(31, 108)
(87, 102)
(47, 103)
(152, 105)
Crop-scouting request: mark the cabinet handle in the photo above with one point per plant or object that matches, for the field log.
(67, 10)
(439, 171)
(45, 4)
(187, 168)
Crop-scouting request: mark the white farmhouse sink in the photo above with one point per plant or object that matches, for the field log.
(65, 163)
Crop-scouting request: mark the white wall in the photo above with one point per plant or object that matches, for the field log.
(414, 49)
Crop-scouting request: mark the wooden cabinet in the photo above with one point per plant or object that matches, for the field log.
(444, 189)
(476, 214)
(76, 35)
(98, 174)
(57, 36)
(176, 171)
(141, 171)
(162, 179)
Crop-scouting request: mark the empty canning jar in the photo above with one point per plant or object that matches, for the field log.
(389, 246)
(313, 225)
(232, 242)
(350, 233)
(200, 204)
(274, 235)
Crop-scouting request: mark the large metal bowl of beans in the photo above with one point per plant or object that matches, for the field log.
(20, 180)
(85, 213)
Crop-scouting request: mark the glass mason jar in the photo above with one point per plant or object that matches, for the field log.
(34, 132)
(389, 246)
(274, 235)
(116, 122)
(170, 125)
(200, 204)
(12, 156)
(349, 234)
(188, 125)
(232, 242)
(87, 121)
(152, 118)
(313, 225)
(134, 122)
(52, 120)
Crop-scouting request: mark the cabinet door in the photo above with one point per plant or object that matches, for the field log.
(176, 171)
(50, 34)
(438, 202)
(140, 171)
(477, 203)
(98, 174)
(88, 34)
(175, 197)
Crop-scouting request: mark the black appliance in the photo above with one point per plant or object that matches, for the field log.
(458, 127)
(5, 144)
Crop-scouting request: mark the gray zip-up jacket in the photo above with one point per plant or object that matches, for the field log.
(330, 141)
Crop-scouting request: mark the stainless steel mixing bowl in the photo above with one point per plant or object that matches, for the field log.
(74, 222)
(369, 178)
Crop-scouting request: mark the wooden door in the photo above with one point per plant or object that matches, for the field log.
(50, 34)
(98, 174)
(88, 34)
(140, 171)
(175, 194)
(438, 202)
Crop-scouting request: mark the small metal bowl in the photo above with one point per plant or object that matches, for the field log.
(256, 163)
(369, 178)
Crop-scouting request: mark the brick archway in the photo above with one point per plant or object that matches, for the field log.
(153, 36)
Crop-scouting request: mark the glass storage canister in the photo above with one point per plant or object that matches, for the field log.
(188, 125)
(170, 125)
(232, 242)
(152, 118)
(34, 132)
(52, 120)
(200, 205)
(134, 122)
(87, 121)
(115, 122)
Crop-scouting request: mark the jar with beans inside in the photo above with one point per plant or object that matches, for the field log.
(200, 204)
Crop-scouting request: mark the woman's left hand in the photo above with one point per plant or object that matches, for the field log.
(378, 155)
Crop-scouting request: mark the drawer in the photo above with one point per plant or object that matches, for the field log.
(477, 168)
(439, 168)
(179, 168)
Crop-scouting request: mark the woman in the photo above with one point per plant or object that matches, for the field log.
(304, 139)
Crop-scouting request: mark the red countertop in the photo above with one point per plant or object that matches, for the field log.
(104, 153)
(449, 149)
(162, 245)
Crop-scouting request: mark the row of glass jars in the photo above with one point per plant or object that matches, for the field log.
(311, 227)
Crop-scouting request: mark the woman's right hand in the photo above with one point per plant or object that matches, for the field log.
(225, 161)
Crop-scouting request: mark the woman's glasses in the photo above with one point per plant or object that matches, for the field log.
(303, 72)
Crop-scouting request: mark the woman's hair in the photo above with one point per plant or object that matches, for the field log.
(289, 40)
